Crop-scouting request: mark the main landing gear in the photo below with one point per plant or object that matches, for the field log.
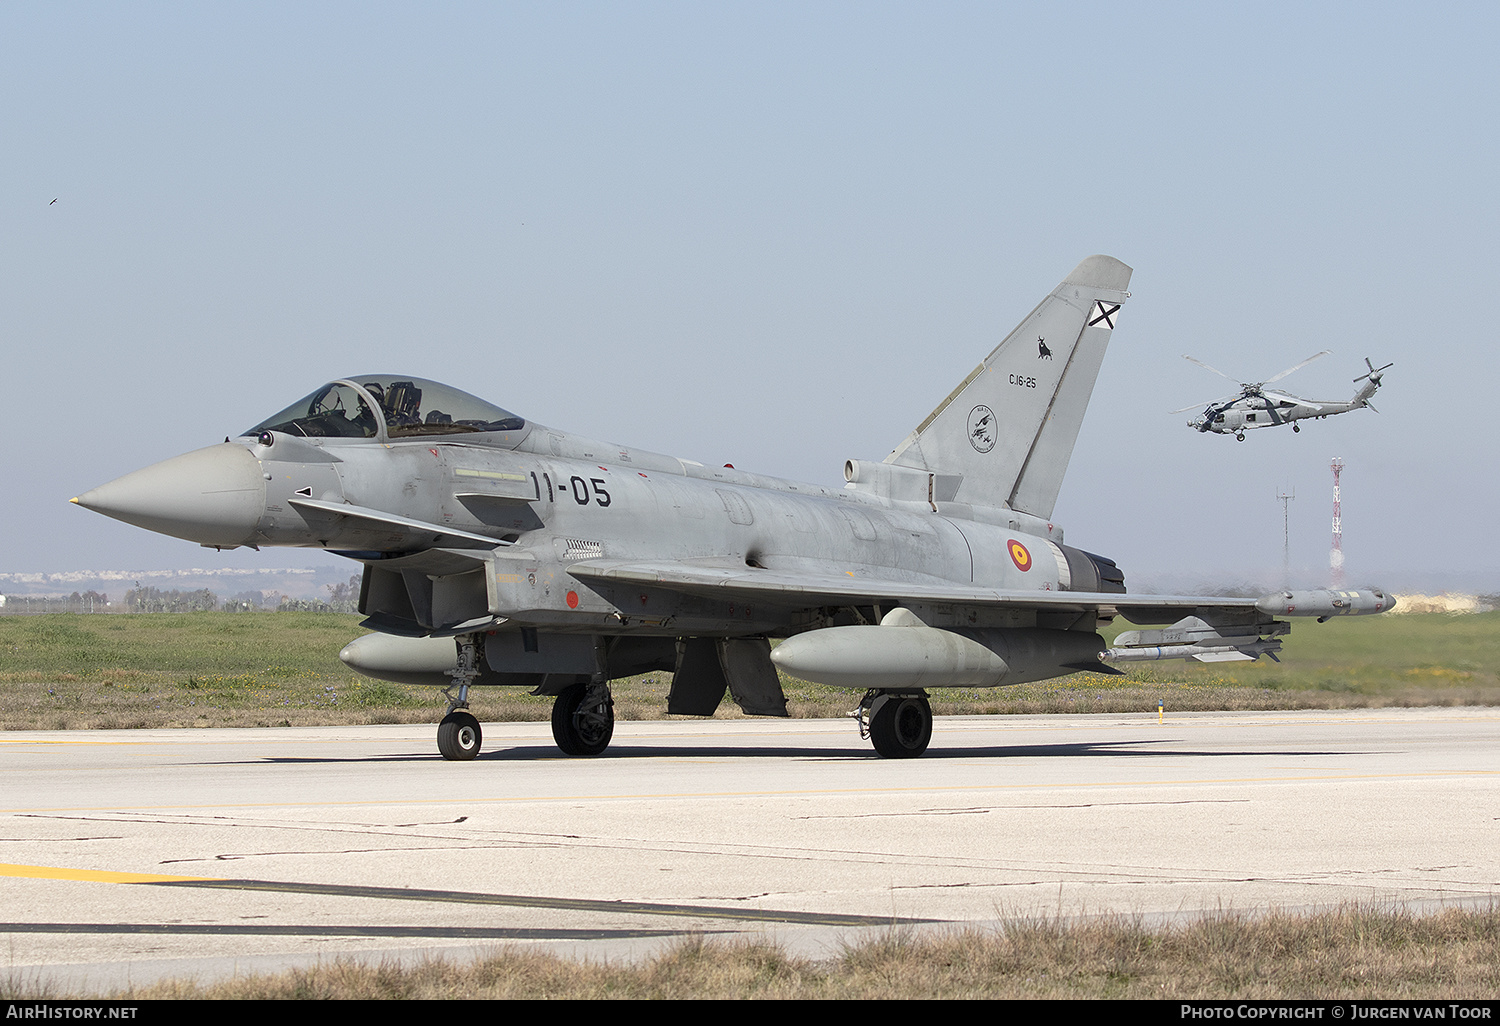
(898, 723)
(583, 719)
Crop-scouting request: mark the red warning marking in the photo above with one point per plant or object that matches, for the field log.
(572, 600)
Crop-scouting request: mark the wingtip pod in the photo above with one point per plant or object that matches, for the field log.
(1101, 272)
(1324, 603)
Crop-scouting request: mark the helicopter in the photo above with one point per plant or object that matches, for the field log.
(1256, 406)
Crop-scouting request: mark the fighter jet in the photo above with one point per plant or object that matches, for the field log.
(500, 552)
(1257, 406)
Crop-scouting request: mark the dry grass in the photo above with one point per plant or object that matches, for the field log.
(1347, 953)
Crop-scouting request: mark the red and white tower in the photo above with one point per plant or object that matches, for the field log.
(1336, 554)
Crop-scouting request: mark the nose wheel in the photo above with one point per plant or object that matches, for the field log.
(459, 736)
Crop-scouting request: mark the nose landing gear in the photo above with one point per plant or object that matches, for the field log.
(459, 736)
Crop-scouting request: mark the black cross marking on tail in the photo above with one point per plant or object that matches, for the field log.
(1104, 314)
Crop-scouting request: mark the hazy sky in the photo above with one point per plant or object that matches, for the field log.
(774, 235)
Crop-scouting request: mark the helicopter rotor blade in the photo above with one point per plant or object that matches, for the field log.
(1298, 367)
(1200, 363)
(1285, 397)
(1208, 368)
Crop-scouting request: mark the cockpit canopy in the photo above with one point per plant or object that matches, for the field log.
(388, 406)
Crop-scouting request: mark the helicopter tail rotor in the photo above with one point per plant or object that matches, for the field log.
(1374, 374)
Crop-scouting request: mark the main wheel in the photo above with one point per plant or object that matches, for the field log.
(459, 736)
(901, 726)
(580, 727)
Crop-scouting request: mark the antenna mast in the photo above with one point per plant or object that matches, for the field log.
(1336, 554)
(1286, 543)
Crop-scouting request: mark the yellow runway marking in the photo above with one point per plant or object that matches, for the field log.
(65, 741)
(95, 875)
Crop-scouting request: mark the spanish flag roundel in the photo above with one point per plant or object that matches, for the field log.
(1019, 555)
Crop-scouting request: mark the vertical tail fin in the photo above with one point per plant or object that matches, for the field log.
(1009, 428)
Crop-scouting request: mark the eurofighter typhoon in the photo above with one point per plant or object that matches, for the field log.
(499, 552)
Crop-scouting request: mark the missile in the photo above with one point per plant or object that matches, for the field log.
(1324, 603)
(1202, 653)
(1194, 638)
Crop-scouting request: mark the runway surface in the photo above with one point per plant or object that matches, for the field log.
(133, 855)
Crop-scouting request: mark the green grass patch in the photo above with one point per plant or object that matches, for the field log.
(235, 669)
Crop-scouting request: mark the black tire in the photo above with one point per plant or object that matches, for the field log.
(901, 726)
(578, 730)
(459, 736)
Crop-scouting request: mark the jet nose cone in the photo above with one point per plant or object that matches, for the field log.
(214, 496)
